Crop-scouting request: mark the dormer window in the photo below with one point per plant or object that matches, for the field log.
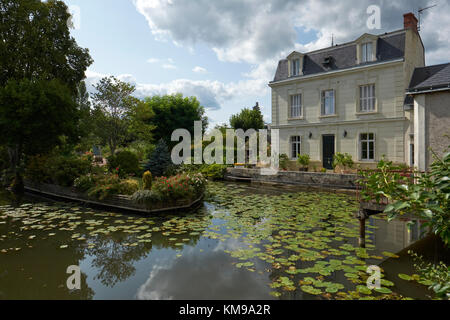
(366, 52)
(366, 48)
(295, 67)
(295, 64)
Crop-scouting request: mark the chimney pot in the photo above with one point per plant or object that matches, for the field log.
(410, 21)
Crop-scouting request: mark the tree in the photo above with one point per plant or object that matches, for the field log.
(42, 66)
(140, 128)
(159, 160)
(86, 124)
(33, 117)
(248, 119)
(173, 112)
(113, 104)
(35, 43)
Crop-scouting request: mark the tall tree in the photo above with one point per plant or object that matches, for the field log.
(42, 66)
(113, 104)
(33, 116)
(35, 43)
(248, 119)
(173, 112)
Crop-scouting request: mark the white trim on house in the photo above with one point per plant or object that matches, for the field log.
(326, 74)
(314, 124)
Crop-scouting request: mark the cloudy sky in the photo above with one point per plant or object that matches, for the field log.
(225, 52)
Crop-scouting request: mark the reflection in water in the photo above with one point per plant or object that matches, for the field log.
(115, 261)
(186, 256)
(397, 234)
(199, 276)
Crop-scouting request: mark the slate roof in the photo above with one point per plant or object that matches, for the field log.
(430, 78)
(390, 46)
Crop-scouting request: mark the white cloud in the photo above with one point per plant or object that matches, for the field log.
(169, 66)
(255, 31)
(153, 60)
(198, 69)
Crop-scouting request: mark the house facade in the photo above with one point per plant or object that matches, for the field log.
(429, 98)
(349, 98)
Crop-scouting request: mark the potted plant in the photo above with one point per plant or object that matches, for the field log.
(284, 162)
(343, 162)
(303, 161)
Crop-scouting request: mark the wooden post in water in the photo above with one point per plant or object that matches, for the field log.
(362, 232)
(362, 217)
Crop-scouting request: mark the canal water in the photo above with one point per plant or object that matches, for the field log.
(244, 242)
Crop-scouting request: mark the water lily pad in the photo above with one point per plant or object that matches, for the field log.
(311, 290)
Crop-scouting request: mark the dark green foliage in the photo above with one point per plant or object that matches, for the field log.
(173, 112)
(4, 158)
(284, 159)
(42, 66)
(303, 160)
(34, 114)
(124, 163)
(343, 160)
(160, 160)
(84, 183)
(248, 119)
(426, 195)
(214, 171)
(35, 43)
(67, 169)
(57, 169)
(437, 276)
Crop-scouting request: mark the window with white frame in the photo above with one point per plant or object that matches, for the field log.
(296, 106)
(367, 146)
(328, 103)
(366, 52)
(295, 67)
(296, 143)
(367, 98)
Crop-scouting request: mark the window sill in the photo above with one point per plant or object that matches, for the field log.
(366, 113)
(295, 119)
(328, 116)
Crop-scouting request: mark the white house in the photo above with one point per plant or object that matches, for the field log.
(349, 98)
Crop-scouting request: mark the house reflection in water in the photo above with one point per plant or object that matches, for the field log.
(397, 234)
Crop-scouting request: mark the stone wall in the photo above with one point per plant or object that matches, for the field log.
(437, 108)
(313, 179)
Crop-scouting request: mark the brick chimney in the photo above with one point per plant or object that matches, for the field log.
(410, 21)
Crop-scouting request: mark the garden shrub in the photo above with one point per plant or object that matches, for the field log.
(146, 197)
(4, 158)
(57, 169)
(84, 183)
(38, 169)
(147, 180)
(105, 186)
(344, 160)
(128, 187)
(66, 169)
(284, 159)
(303, 160)
(125, 162)
(214, 171)
(159, 161)
(183, 186)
